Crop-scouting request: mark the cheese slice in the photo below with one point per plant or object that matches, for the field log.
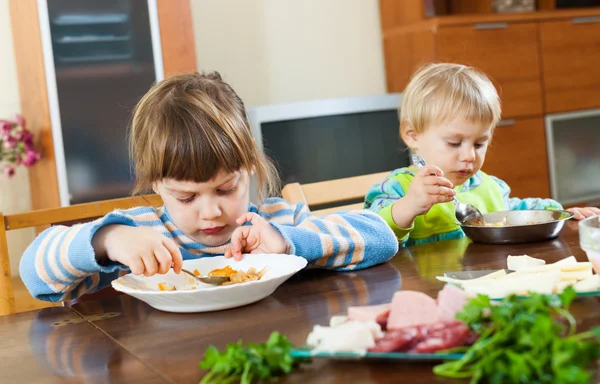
(492, 275)
(581, 266)
(590, 284)
(516, 263)
(566, 261)
(513, 283)
(562, 285)
(575, 275)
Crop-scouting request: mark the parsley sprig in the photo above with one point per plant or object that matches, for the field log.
(525, 340)
(245, 363)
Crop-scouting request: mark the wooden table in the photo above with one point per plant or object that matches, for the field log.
(142, 344)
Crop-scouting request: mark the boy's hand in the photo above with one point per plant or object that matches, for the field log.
(582, 213)
(260, 237)
(143, 250)
(427, 188)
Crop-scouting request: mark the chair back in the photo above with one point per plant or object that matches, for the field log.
(329, 196)
(70, 215)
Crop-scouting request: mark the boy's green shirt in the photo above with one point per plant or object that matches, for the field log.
(487, 193)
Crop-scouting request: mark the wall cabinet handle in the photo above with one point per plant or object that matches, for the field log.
(586, 20)
(506, 123)
(484, 26)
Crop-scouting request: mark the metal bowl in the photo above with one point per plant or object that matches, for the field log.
(521, 226)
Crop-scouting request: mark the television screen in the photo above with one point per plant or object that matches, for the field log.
(308, 150)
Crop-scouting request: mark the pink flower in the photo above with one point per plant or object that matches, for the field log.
(31, 157)
(9, 142)
(9, 171)
(27, 138)
(6, 127)
(19, 120)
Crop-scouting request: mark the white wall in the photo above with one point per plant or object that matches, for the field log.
(14, 192)
(274, 51)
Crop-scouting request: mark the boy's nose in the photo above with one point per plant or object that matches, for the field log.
(468, 154)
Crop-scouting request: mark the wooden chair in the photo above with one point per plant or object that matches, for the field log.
(42, 218)
(336, 195)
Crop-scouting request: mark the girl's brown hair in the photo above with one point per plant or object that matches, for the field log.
(191, 126)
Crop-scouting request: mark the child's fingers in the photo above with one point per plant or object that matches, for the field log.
(136, 266)
(437, 190)
(250, 217)
(175, 257)
(437, 180)
(163, 258)
(150, 264)
(430, 170)
(590, 211)
(238, 240)
(227, 253)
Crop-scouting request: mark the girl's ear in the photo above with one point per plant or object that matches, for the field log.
(409, 135)
(155, 187)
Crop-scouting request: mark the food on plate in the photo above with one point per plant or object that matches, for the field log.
(376, 313)
(514, 263)
(221, 272)
(162, 286)
(524, 341)
(413, 322)
(532, 275)
(235, 276)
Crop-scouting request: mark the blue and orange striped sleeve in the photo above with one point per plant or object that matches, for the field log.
(347, 240)
(61, 263)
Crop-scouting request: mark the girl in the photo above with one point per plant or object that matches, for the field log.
(448, 116)
(191, 144)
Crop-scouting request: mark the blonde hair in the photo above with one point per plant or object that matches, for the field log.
(438, 93)
(191, 126)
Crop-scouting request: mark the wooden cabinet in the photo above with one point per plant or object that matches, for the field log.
(513, 67)
(541, 62)
(571, 61)
(518, 156)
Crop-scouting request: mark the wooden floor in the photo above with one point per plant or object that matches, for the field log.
(24, 301)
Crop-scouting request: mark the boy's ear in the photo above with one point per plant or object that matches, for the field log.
(409, 135)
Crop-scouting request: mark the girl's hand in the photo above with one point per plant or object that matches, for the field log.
(143, 250)
(260, 237)
(582, 213)
(427, 188)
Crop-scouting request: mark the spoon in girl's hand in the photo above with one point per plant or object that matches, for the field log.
(214, 280)
(466, 214)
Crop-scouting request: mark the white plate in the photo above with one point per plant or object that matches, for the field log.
(205, 297)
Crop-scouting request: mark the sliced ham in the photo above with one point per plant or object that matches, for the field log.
(377, 313)
(424, 338)
(450, 301)
(452, 334)
(410, 308)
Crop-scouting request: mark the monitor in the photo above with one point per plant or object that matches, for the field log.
(574, 156)
(332, 138)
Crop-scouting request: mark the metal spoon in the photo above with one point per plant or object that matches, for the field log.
(465, 213)
(215, 280)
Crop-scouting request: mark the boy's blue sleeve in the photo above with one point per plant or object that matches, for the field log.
(346, 240)
(380, 199)
(516, 204)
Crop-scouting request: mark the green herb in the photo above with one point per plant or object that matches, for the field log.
(525, 340)
(245, 363)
